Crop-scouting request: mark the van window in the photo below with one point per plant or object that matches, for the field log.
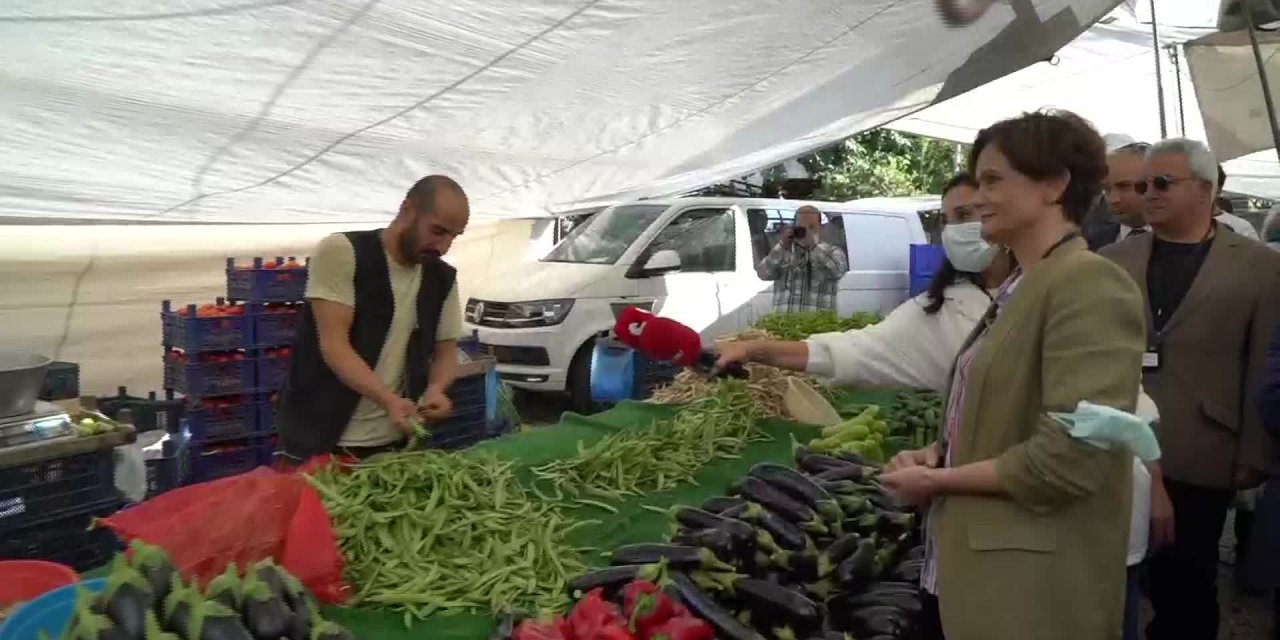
(605, 236)
(764, 225)
(876, 242)
(703, 238)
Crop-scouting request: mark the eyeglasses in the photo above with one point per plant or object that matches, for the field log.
(1161, 183)
(1135, 146)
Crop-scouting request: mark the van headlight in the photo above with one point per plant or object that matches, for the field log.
(517, 315)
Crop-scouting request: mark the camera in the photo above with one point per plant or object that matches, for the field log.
(799, 233)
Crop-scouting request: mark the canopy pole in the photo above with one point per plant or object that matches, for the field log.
(1155, 50)
(1177, 76)
(1262, 77)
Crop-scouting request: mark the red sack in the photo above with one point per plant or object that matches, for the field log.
(243, 519)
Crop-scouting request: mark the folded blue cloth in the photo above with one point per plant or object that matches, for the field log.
(1104, 426)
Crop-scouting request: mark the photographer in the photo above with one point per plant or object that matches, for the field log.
(804, 270)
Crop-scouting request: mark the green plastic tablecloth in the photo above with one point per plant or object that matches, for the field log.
(631, 524)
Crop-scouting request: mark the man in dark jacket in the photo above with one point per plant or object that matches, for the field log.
(376, 348)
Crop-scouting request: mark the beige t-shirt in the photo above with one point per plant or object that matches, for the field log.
(332, 277)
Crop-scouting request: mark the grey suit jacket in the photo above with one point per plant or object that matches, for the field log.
(1212, 351)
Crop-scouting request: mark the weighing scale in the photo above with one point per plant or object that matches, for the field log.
(45, 422)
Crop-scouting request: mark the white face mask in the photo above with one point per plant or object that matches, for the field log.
(965, 247)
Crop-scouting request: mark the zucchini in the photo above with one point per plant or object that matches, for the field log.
(796, 485)
(727, 626)
(674, 554)
(779, 602)
(719, 504)
(783, 533)
(763, 493)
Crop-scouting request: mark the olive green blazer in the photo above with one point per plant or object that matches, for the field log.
(1046, 560)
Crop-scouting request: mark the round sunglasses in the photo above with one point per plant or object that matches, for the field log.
(1160, 183)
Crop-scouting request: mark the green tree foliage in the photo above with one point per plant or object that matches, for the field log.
(881, 162)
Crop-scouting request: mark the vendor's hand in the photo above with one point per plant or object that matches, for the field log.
(785, 235)
(742, 353)
(913, 485)
(402, 412)
(1161, 517)
(434, 405)
(927, 456)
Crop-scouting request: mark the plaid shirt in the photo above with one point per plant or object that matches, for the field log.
(804, 279)
(951, 424)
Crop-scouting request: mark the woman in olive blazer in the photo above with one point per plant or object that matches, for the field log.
(1027, 526)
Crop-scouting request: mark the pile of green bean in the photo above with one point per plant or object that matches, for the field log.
(429, 533)
(662, 455)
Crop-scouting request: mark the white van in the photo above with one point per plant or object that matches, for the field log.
(690, 259)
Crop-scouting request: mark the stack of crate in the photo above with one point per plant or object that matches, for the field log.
(275, 291)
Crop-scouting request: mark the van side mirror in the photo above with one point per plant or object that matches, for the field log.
(660, 263)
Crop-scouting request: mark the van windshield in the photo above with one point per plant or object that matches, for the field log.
(604, 237)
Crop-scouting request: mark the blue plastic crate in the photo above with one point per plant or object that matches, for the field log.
(42, 491)
(184, 328)
(919, 284)
(67, 539)
(926, 259)
(271, 369)
(226, 418)
(167, 471)
(612, 371)
(207, 378)
(262, 282)
(210, 461)
(275, 325)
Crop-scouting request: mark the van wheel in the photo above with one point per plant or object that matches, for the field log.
(579, 386)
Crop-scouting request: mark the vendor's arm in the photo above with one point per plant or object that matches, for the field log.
(1094, 336)
(331, 296)
(829, 261)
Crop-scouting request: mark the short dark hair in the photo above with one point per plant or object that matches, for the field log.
(962, 179)
(422, 195)
(1224, 203)
(1046, 144)
(1222, 178)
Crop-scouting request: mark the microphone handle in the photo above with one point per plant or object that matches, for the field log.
(707, 362)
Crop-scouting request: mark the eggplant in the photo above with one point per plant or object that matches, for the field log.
(217, 622)
(803, 565)
(818, 462)
(126, 598)
(266, 615)
(699, 519)
(874, 620)
(849, 472)
(796, 485)
(225, 588)
(819, 591)
(781, 532)
(300, 626)
(609, 578)
(154, 565)
(843, 547)
(271, 573)
(719, 504)
(727, 626)
(153, 631)
(853, 458)
(916, 553)
(764, 494)
(908, 571)
(779, 601)
(859, 566)
(908, 601)
(675, 555)
(296, 596)
(718, 541)
(327, 630)
(179, 607)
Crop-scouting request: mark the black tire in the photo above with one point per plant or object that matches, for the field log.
(579, 384)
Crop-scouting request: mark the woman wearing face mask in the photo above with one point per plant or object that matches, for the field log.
(913, 346)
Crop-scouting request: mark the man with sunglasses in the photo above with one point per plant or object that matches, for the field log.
(1124, 172)
(1213, 298)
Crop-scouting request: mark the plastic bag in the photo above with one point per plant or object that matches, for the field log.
(243, 519)
(131, 471)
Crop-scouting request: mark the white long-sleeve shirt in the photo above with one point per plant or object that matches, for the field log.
(913, 349)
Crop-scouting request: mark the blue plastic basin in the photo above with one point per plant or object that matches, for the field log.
(50, 613)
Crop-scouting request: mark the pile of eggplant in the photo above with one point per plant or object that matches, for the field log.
(145, 598)
(815, 552)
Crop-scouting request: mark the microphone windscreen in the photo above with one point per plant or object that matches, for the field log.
(630, 324)
(669, 341)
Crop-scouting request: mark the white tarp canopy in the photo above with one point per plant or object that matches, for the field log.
(326, 110)
(1107, 75)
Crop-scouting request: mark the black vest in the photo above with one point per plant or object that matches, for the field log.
(315, 406)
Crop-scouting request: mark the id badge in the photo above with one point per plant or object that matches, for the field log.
(1151, 361)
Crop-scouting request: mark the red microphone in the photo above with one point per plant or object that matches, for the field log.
(666, 340)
